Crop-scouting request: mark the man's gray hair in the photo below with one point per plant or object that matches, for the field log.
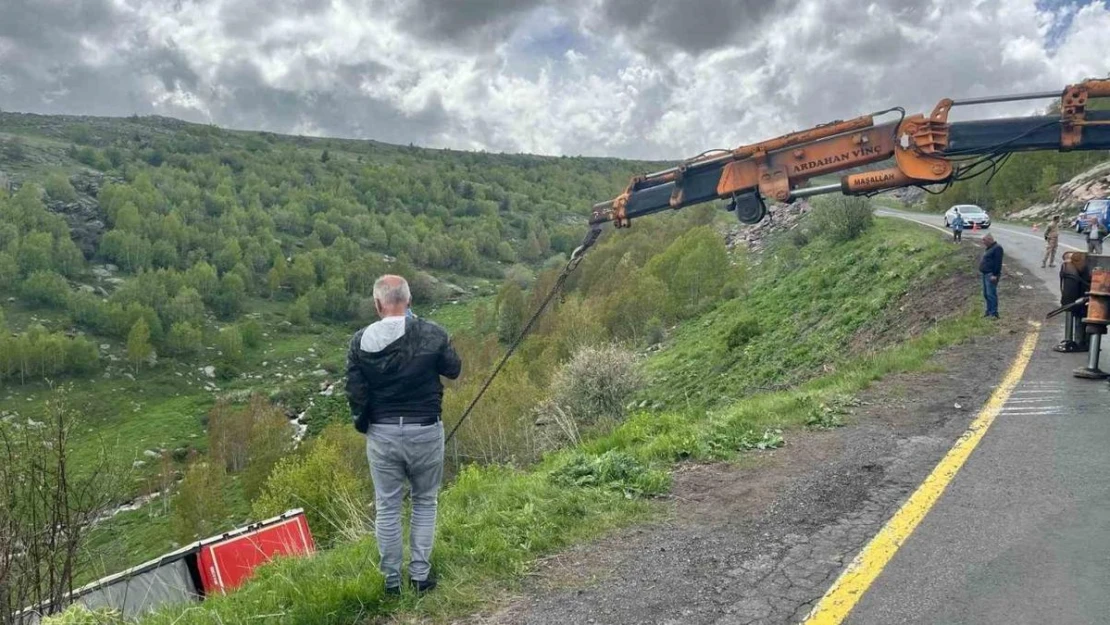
(392, 290)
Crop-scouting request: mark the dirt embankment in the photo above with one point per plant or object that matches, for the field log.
(759, 541)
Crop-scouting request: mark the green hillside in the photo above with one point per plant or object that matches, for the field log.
(190, 289)
(155, 268)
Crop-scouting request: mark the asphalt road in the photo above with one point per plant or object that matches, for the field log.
(1022, 534)
(1019, 244)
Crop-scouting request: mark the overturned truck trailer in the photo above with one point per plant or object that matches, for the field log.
(210, 566)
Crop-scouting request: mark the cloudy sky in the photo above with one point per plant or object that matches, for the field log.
(632, 78)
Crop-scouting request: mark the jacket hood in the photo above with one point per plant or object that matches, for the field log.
(381, 334)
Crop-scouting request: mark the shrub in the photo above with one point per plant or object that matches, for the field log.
(230, 344)
(842, 218)
(59, 189)
(251, 331)
(200, 505)
(184, 340)
(613, 470)
(46, 287)
(330, 480)
(654, 332)
(742, 332)
(300, 312)
(521, 275)
(596, 383)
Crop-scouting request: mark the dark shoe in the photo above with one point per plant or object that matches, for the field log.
(393, 591)
(426, 585)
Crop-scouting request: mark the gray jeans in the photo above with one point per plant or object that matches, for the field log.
(397, 453)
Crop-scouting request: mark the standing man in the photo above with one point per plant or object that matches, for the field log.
(1051, 240)
(958, 227)
(991, 269)
(1094, 236)
(395, 394)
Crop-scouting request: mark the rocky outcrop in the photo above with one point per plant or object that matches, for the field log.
(1071, 196)
(85, 218)
(779, 219)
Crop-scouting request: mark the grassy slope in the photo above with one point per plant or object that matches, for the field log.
(496, 521)
(792, 325)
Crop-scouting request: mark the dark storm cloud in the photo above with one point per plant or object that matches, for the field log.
(690, 27)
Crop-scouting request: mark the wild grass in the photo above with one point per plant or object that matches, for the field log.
(798, 315)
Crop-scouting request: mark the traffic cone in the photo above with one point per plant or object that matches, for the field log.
(975, 227)
(1034, 227)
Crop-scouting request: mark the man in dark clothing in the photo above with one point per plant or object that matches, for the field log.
(1075, 281)
(395, 394)
(991, 269)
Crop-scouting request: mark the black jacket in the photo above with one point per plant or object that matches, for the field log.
(401, 380)
(992, 261)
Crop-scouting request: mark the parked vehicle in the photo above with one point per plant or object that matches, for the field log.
(1092, 210)
(972, 214)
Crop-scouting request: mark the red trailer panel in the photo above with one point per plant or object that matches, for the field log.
(229, 560)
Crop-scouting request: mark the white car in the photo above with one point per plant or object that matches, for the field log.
(972, 214)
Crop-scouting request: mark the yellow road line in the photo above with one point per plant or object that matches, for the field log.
(838, 602)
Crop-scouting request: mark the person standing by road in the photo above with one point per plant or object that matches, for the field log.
(990, 266)
(1051, 240)
(396, 397)
(1095, 235)
(958, 226)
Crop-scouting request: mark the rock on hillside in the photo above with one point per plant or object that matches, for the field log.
(85, 218)
(1070, 197)
(779, 218)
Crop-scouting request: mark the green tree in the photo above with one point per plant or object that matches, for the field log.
(230, 296)
(46, 287)
(35, 253)
(251, 331)
(200, 506)
(138, 343)
(302, 275)
(67, 257)
(510, 312)
(627, 312)
(164, 254)
(204, 279)
(9, 269)
(300, 313)
(184, 340)
(693, 269)
(230, 345)
(275, 278)
(59, 189)
(127, 218)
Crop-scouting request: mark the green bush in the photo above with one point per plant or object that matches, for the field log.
(251, 331)
(58, 188)
(613, 470)
(742, 333)
(330, 480)
(184, 340)
(46, 287)
(596, 383)
(841, 218)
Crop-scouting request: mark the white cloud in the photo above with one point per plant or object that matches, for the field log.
(600, 77)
